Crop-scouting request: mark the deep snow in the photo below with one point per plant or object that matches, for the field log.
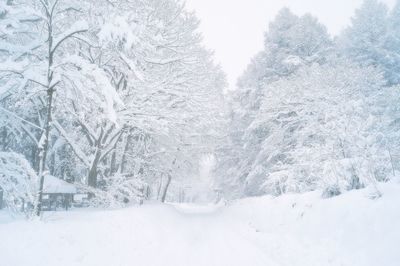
(351, 229)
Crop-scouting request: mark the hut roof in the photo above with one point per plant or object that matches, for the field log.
(54, 185)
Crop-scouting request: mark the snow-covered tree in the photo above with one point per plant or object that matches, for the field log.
(150, 56)
(18, 181)
(321, 127)
(372, 38)
(18, 41)
(392, 60)
(305, 118)
(59, 29)
(291, 42)
(330, 127)
(365, 38)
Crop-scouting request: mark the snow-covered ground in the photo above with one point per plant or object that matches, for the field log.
(292, 230)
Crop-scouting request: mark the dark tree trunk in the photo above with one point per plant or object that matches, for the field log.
(4, 138)
(164, 194)
(124, 160)
(1, 199)
(159, 187)
(113, 163)
(92, 177)
(43, 148)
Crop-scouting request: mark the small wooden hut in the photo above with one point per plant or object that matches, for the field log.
(57, 194)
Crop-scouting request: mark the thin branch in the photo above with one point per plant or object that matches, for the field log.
(21, 119)
(65, 38)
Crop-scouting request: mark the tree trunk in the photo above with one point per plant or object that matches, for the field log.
(4, 138)
(50, 89)
(159, 187)
(43, 148)
(113, 163)
(1, 199)
(92, 177)
(164, 194)
(392, 163)
(124, 160)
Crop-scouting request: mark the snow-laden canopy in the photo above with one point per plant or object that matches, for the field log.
(17, 179)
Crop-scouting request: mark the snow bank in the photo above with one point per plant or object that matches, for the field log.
(292, 230)
(306, 230)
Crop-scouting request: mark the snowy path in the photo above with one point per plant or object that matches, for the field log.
(293, 230)
(153, 235)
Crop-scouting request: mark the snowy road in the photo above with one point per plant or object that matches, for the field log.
(153, 235)
(293, 230)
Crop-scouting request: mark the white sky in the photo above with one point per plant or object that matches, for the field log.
(234, 29)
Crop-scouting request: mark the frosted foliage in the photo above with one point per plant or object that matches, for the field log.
(291, 42)
(118, 191)
(373, 38)
(322, 127)
(310, 114)
(18, 181)
(111, 95)
(121, 99)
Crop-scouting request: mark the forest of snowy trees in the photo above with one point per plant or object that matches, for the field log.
(120, 98)
(315, 112)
